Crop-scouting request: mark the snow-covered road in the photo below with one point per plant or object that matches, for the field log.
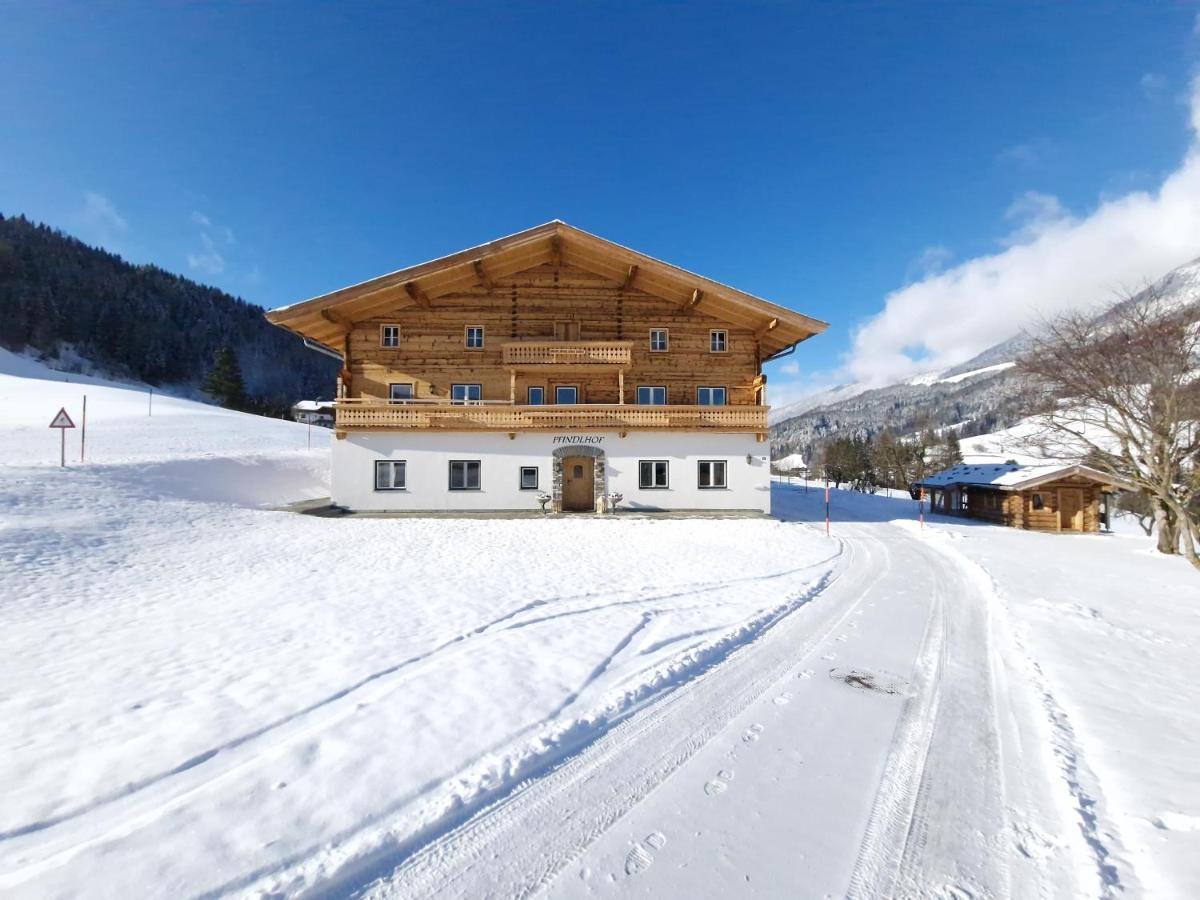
(860, 747)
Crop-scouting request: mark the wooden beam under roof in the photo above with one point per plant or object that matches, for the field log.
(694, 300)
(418, 295)
(337, 318)
(556, 249)
(629, 277)
(482, 275)
(766, 329)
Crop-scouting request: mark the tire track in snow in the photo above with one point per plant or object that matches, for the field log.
(583, 790)
(456, 643)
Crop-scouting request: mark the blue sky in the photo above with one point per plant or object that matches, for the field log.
(862, 163)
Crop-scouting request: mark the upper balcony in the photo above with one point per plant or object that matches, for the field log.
(371, 414)
(573, 354)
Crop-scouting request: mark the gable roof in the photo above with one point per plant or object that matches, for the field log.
(323, 319)
(1015, 477)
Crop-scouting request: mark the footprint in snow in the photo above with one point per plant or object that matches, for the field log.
(751, 734)
(640, 857)
(829, 656)
(720, 784)
(806, 674)
(842, 637)
(783, 699)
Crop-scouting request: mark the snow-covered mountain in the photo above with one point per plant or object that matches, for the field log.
(979, 396)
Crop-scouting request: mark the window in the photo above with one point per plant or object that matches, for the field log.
(566, 393)
(566, 331)
(711, 474)
(400, 392)
(529, 478)
(465, 393)
(652, 474)
(1038, 503)
(710, 396)
(389, 335)
(658, 340)
(651, 395)
(535, 396)
(474, 339)
(718, 341)
(389, 474)
(464, 474)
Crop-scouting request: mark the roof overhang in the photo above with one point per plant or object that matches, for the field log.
(326, 318)
(1068, 471)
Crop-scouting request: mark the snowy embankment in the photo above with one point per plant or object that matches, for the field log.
(1108, 631)
(202, 692)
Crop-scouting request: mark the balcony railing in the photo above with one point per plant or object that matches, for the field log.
(382, 415)
(568, 353)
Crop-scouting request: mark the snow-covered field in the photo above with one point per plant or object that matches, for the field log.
(202, 695)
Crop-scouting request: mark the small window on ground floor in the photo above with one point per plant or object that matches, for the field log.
(711, 474)
(400, 391)
(529, 478)
(464, 474)
(390, 474)
(1038, 502)
(652, 474)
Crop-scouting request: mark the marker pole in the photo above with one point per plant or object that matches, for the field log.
(62, 460)
(827, 506)
(83, 430)
(150, 403)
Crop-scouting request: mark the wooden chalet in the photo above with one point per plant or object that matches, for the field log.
(551, 332)
(1056, 497)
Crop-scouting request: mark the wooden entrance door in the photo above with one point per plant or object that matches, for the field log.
(578, 484)
(1070, 509)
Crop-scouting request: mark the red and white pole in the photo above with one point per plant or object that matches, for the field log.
(827, 506)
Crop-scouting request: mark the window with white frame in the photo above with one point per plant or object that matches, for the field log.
(535, 396)
(466, 393)
(529, 478)
(710, 396)
(390, 474)
(652, 474)
(718, 340)
(652, 395)
(659, 340)
(464, 474)
(566, 393)
(710, 474)
(474, 337)
(400, 391)
(389, 336)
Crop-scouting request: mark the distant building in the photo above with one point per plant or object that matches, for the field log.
(1053, 497)
(314, 412)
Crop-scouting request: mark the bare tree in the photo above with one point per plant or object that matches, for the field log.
(1122, 389)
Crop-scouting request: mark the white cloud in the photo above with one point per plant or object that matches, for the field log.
(1153, 85)
(1025, 155)
(208, 260)
(931, 261)
(1051, 262)
(201, 219)
(98, 221)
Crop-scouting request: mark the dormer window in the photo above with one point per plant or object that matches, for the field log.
(718, 341)
(389, 336)
(658, 340)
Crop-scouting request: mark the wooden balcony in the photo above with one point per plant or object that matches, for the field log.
(379, 415)
(583, 354)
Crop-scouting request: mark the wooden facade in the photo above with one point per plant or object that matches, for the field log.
(514, 321)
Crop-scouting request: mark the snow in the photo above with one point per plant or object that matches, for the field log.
(788, 463)
(963, 376)
(207, 695)
(1011, 476)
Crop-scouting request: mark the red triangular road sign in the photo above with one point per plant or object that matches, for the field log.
(62, 420)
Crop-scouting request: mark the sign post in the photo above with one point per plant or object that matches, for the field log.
(62, 422)
(83, 429)
(921, 508)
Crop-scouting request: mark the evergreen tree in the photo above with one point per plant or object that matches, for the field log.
(224, 381)
(953, 452)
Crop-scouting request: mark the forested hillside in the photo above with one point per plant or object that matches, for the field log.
(142, 322)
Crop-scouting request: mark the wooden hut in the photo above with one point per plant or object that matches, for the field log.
(1056, 497)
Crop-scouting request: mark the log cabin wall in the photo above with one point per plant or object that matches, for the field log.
(528, 306)
(1047, 518)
